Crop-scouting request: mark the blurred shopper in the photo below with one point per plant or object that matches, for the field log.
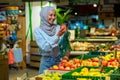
(113, 30)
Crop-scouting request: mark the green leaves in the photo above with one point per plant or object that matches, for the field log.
(62, 17)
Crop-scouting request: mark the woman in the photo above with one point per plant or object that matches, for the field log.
(47, 37)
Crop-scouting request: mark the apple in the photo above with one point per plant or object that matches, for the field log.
(89, 60)
(78, 65)
(114, 64)
(68, 64)
(77, 61)
(117, 59)
(71, 61)
(51, 68)
(63, 27)
(61, 64)
(61, 67)
(95, 59)
(72, 68)
(55, 67)
(105, 63)
(64, 61)
(112, 59)
(95, 64)
(67, 68)
(109, 64)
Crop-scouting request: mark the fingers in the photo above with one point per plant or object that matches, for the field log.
(65, 58)
(61, 32)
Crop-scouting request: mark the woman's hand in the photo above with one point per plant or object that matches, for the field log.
(62, 31)
(66, 57)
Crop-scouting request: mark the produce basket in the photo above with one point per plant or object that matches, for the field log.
(73, 75)
(96, 52)
(115, 75)
(60, 71)
(86, 56)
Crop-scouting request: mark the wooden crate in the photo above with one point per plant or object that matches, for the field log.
(34, 49)
(34, 64)
(33, 44)
(35, 57)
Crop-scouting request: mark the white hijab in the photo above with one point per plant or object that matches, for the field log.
(45, 26)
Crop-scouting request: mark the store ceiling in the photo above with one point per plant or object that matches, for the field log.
(81, 9)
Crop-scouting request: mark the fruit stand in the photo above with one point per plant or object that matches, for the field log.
(91, 58)
(87, 67)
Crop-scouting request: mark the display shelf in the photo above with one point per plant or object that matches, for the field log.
(93, 39)
(97, 38)
(78, 52)
(85, 52)
(46, 71)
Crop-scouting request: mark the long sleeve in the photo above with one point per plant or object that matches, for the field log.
(46, 43)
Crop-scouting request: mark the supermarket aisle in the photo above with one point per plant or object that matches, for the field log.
(17, 73)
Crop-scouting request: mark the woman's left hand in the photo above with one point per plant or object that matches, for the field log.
(65, 58)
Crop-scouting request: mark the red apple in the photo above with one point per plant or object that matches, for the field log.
(77, 61)
(63, 27)
(67, 68)
(114, 64)
(89, 60)
(95, 59)
(105, 63)
(72, 68)
(68, 64)
(78, 65)
(64, 61)
(112, 59)
(109, 64)
(61, 67)
(61, 64)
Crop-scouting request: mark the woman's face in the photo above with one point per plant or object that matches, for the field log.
(51, 17)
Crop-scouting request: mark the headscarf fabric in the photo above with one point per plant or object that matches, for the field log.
(45, 26)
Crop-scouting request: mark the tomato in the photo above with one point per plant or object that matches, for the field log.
(63, 27)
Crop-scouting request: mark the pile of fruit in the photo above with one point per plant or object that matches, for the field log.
(67, 65)
(108, 61)
(83, 79)
(49, 76)
(91, 72)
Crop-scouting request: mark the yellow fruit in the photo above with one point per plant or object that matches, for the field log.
(84, 70)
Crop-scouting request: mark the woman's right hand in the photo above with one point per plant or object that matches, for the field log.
(62, 31)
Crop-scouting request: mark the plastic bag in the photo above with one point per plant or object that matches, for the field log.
(10, 57)
(17, 55)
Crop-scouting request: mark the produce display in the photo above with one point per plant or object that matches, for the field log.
(90, 66)
(108, 60)
(67, 65)
(49, 76)
(115, 75)
(87, 67)
(92, 73)
(83, 79)
(88, 46)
